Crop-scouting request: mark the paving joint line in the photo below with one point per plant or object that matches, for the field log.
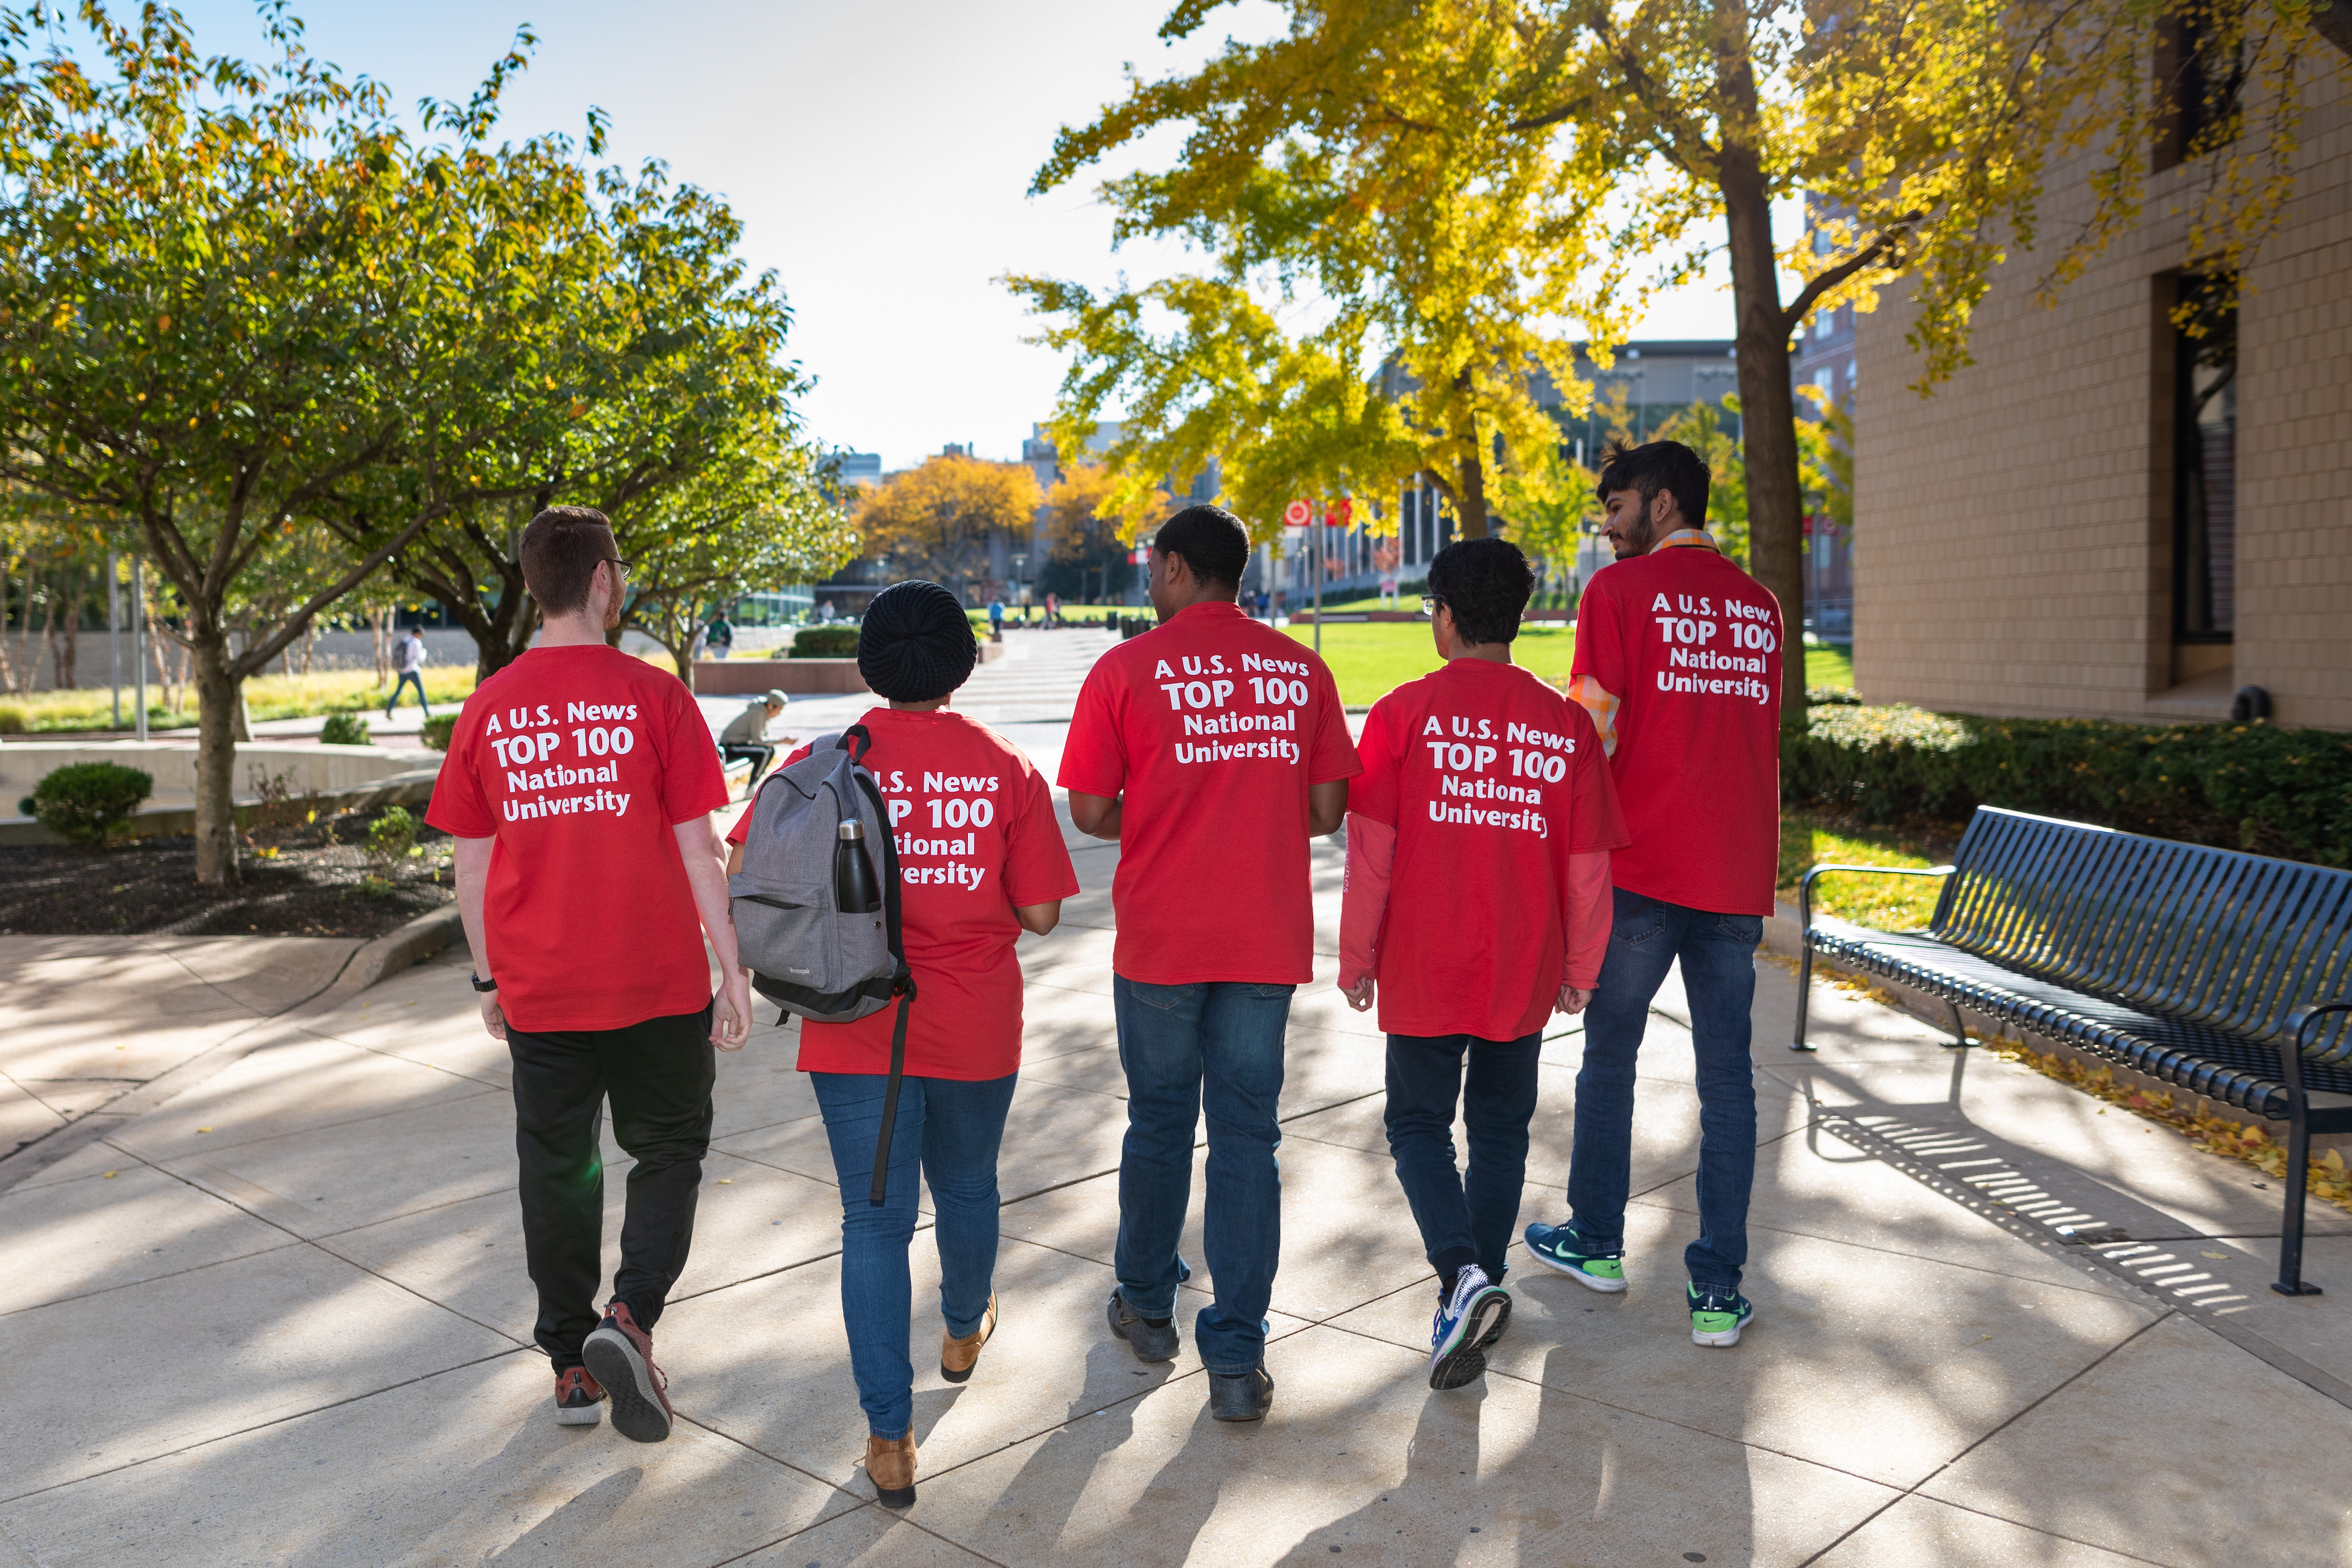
(2108, 1259)
(273, 1421)
(2044, 1397)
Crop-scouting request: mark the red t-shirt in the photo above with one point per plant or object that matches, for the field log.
(1492, 780)
(1213, 726)
(1690, 645)
(579, 761)
(977, 839)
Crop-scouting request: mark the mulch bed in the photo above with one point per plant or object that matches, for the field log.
(315, 881)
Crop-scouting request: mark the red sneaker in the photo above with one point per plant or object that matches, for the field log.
(577, 1396)
(620, 1355)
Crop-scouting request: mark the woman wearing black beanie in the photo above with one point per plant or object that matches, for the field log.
(981, 860)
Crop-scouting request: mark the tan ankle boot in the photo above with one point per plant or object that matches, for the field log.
(890, 1466)
(959, 1357)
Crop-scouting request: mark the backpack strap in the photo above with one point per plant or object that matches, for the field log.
(902, 983)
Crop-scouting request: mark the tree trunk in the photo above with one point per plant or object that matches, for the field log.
(7, 665)
(1768, 415)
(216, 709)
(1470, 502)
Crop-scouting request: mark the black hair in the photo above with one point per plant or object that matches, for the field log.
(1656, 465)
(1211, 539)
(1486, 583)
(915, 643)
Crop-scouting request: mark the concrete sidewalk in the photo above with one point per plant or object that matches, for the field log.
(283, 1318)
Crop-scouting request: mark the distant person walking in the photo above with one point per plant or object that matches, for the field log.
(579, 786)
(1477, 905)
(1053, 610)
(996, 620)
(981, 861)
(408, 660)
(719, 637)
(1212, 750)
(746, 735)
(1678, 663)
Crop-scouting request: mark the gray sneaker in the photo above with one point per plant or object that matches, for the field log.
(1240, 1396)
(1151, 1339)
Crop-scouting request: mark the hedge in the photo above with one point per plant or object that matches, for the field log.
(89, 803)
(2284, 792)
(824, 643)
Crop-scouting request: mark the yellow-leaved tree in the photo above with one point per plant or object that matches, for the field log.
(936, 520)
(1393, 276)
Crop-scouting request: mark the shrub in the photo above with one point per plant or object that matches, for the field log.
(437, 728)
(824, 643)
(2286, 792)
(389, 839)
(12, 719)
(345, 729)
(90, 802)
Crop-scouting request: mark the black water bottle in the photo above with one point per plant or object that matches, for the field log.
(855, 891)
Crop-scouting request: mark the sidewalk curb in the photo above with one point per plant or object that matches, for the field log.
(412, 943)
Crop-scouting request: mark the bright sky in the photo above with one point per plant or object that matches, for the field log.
(877, 153)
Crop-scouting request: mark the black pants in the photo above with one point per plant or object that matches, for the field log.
(659, 1074)
(760, 757)
(1474, 1220)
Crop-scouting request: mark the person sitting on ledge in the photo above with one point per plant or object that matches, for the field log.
(747, 734)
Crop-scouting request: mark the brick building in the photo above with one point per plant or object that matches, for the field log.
(2103, 515)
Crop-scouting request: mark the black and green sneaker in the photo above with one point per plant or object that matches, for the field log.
(1718, 1316)
(1559, 1247)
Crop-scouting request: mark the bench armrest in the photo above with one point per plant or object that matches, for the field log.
(1805, 886)
(2301, 1019)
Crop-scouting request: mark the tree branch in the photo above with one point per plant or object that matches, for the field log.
(1890, 239)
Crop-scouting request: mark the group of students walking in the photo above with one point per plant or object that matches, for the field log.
(1512, 852)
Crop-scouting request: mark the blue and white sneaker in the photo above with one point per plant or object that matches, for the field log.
(1718, 1316)
(1557, 1246)
(1467, 1321)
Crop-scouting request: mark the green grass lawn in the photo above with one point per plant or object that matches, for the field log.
(1829, 666)
(1372, 659)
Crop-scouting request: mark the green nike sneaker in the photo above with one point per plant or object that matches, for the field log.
(1718, 1316)
(1559, 1247)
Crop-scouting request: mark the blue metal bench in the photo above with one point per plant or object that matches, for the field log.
(2215, 971)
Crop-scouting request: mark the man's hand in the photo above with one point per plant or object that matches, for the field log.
(1359, 994)
(730, 1013)
(1571, 1001)
(494, 1017)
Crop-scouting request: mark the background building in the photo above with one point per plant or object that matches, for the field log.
(2104, 516)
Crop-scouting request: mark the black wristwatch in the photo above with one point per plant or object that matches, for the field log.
(482, 985)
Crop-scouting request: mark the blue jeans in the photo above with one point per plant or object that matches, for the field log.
(408, 678)
(1471, 1221)
(950, 1128)
(1216, 1046)
(1719, 960)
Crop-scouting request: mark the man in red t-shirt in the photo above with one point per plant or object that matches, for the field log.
(579, 786)
(1476, 905)
(1678, 662)
(1212, 748)
(981, 860)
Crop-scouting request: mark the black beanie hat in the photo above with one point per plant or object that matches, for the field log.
(915, 643)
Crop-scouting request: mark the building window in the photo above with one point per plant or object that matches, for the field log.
(2201, 67)
(2205, 461)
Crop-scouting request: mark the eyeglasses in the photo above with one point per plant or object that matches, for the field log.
(1429, 605)
(620, 565)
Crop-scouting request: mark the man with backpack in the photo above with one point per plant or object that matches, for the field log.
(409, 659)
(1678, 662)
(921, 1088)
(1476, 904)
(579, 786)
(1210, 749)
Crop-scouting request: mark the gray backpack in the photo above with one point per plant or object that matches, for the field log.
(806, 954)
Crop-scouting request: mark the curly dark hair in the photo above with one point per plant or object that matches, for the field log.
(1486, 583)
